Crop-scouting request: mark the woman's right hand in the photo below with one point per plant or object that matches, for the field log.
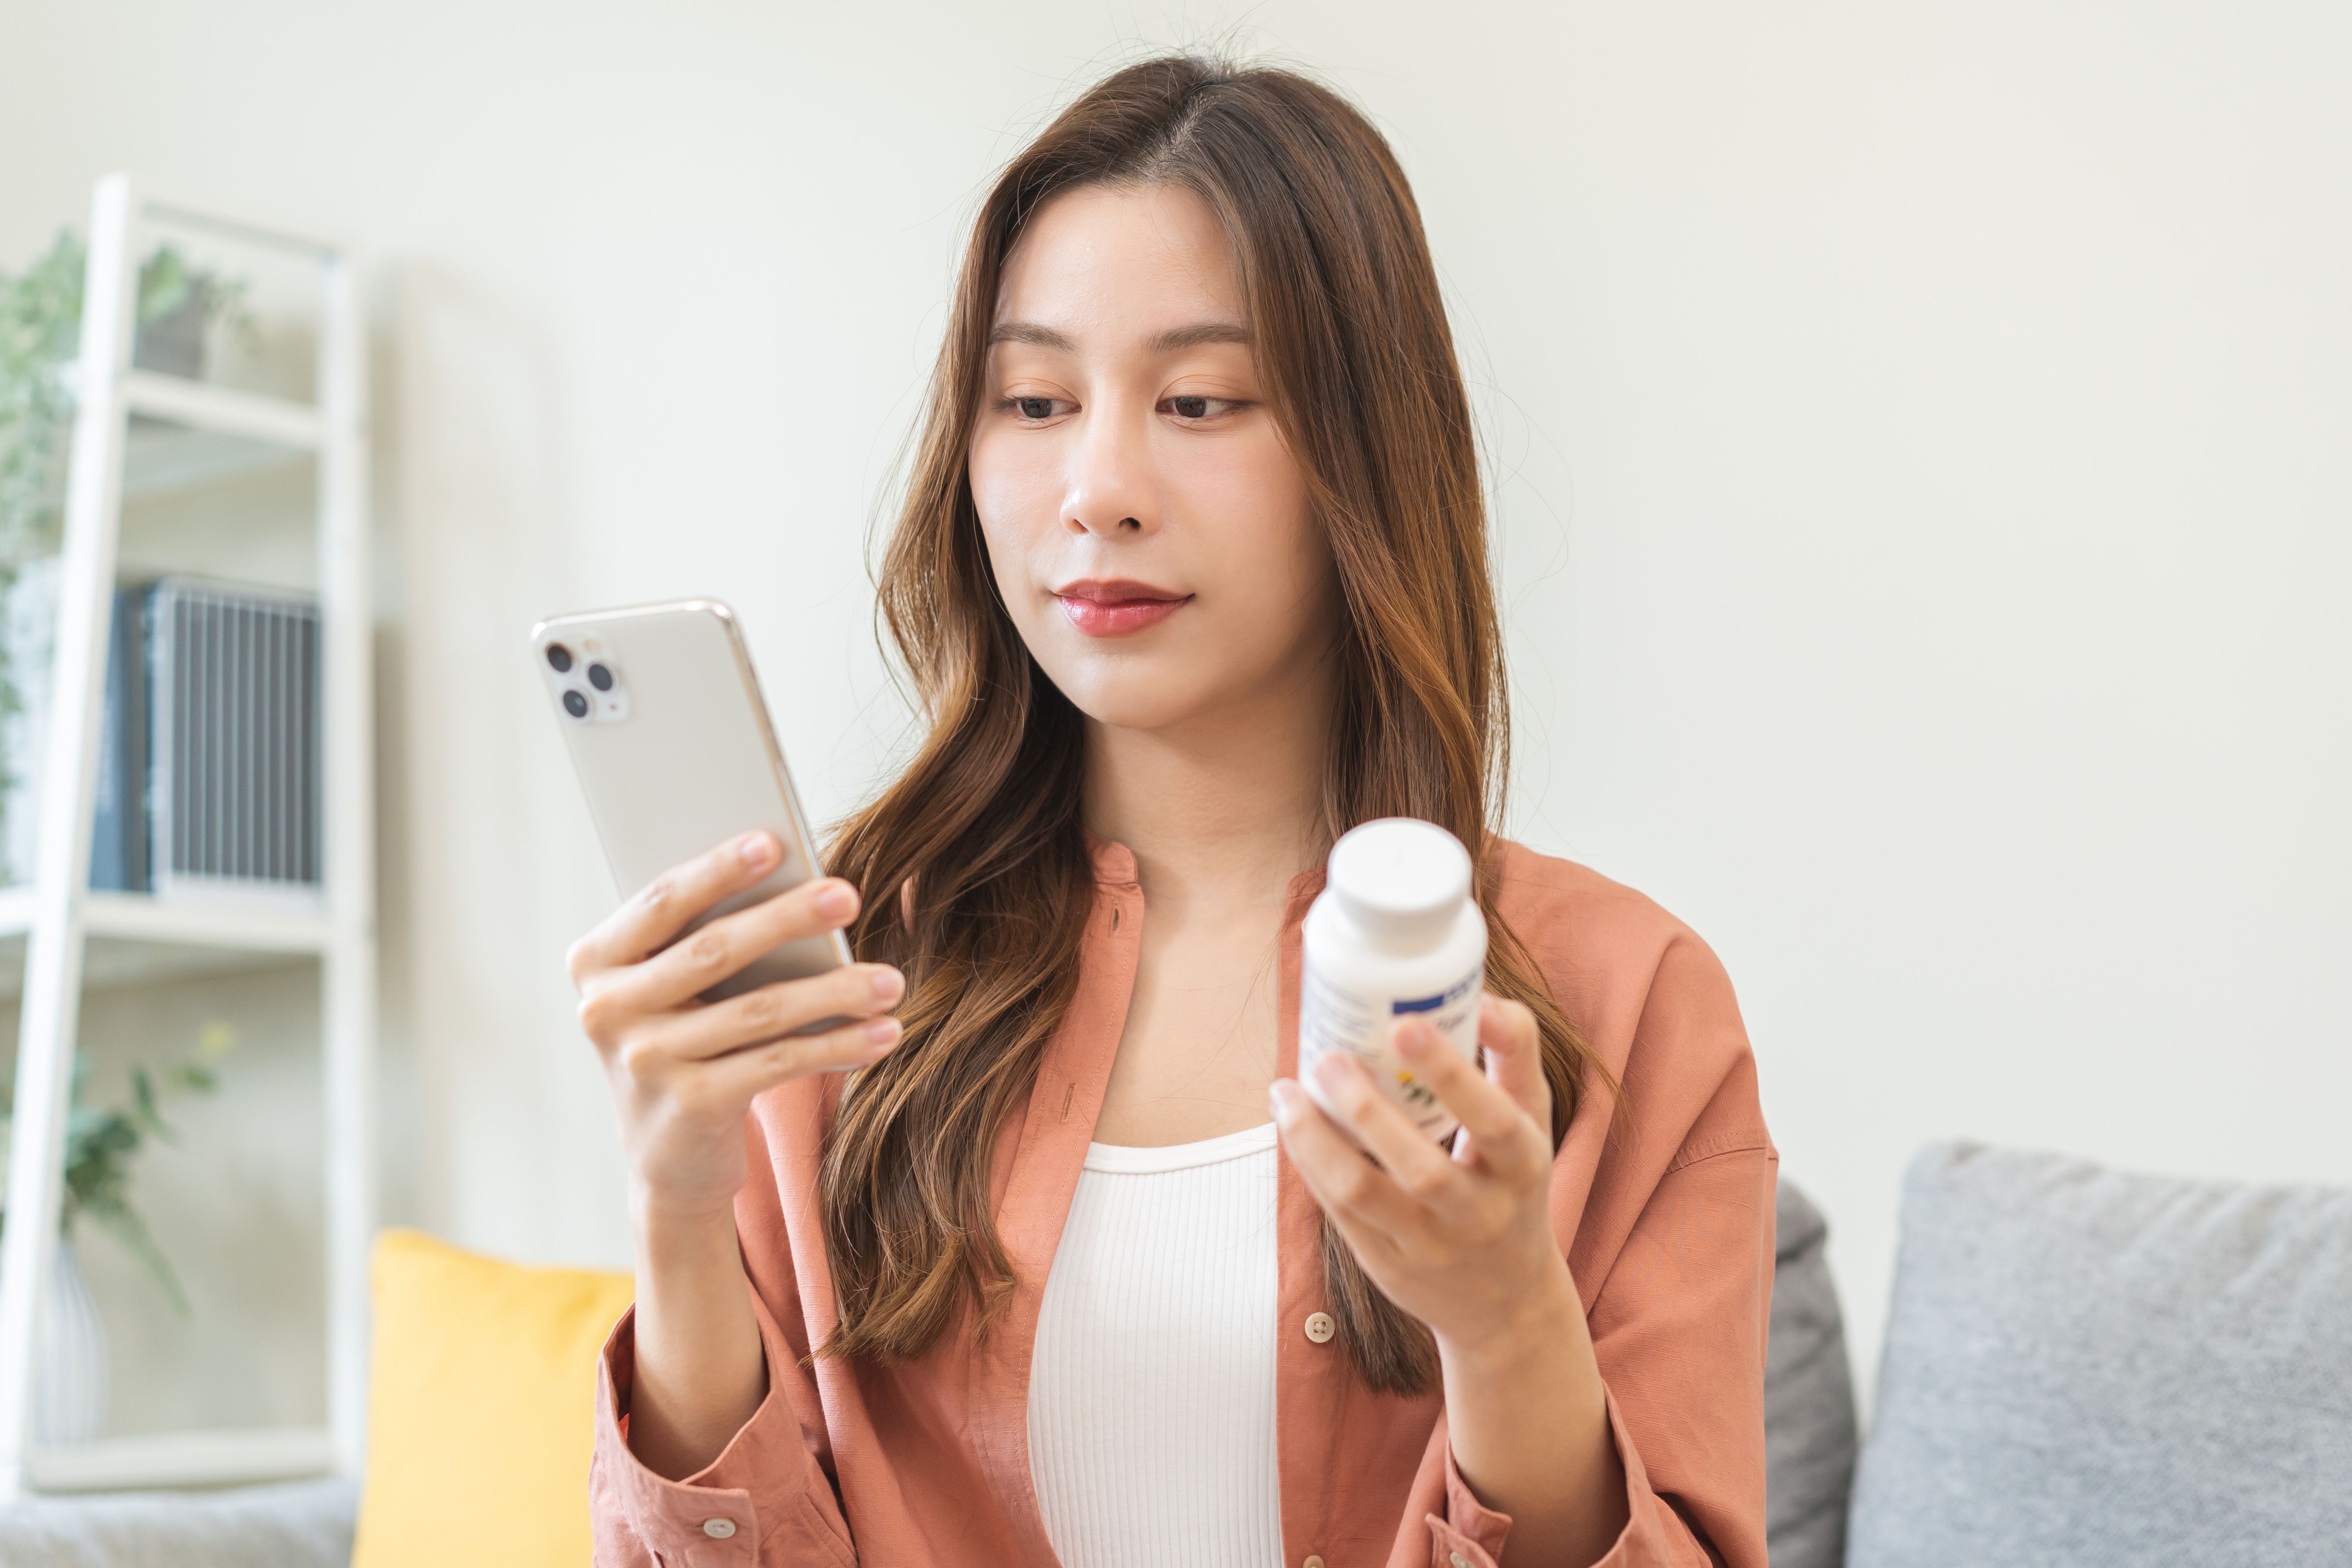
(683, 1071)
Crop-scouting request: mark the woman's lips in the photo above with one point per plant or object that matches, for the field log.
(1117, 609)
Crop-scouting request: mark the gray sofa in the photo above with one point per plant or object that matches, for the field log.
(2083, 1368)
(1809, 1421)
(298, 1524)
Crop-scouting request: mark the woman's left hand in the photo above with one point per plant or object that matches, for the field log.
(1462, 1240)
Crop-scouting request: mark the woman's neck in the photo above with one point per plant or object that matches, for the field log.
(1220, 812)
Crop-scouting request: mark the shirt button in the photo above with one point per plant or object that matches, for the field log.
(718, 1529)
(1319, 1328)
(1457, 1560)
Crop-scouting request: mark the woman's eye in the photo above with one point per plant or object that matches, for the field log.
(1034, 408)
(1199, 407)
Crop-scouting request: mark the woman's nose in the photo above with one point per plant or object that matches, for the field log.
(1109, 483)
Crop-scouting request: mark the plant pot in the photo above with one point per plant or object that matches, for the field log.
(173, 343)
(70, 1362)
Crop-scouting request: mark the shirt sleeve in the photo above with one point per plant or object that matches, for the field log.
(1471, 1534)
(765, 1502)
(1682, 1309)
(1697, 1391)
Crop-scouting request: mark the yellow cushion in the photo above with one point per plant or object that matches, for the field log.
(482, 1407)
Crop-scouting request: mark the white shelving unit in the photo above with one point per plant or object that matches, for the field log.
(57, 936)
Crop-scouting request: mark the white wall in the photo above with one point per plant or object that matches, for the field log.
(1923, 432)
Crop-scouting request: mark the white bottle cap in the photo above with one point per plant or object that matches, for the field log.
(1399, 877)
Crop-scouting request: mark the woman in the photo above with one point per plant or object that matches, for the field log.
(1191, 578)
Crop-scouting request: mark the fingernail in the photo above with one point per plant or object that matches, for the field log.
(882, 1031)
(837, 903)
(1414, 1039)
(1332, 1070)
(757, 849)
(1282, 1097)
(889, 985)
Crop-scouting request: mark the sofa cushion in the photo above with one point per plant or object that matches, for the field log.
(2084, 1367)
(482, 1409)
(301, 1524)
(1808, 1431)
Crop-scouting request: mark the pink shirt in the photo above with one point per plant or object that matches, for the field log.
(1666, 1223)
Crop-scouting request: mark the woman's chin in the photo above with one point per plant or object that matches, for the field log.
(1141, 700)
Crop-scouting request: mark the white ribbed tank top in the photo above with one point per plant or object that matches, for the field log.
(1151, 1385)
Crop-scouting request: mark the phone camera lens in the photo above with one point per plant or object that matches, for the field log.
(576, 704)
(600, 678)
(560, 657)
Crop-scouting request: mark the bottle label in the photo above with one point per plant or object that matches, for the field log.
(1331, 1018)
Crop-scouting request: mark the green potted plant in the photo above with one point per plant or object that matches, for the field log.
(102, 1145)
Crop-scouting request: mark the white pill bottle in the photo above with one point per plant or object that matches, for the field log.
(1395, 934)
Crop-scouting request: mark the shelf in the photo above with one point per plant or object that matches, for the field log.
(133, 939)
(265, 922)
(223, 410)
(218, 408)
(189, 442)
(184, 1459)
(162, 457)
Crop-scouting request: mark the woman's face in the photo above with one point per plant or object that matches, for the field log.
(1148, 527)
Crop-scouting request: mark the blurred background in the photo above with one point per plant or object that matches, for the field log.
(1919, 437)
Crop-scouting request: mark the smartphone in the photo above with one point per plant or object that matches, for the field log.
(671, 740)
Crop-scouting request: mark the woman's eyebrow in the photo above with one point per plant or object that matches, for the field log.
(1031, 332)
(1199, 332)
(1170, 341)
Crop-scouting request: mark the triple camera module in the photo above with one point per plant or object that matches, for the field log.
(589, 692)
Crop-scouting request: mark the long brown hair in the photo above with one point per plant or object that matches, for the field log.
(975, 866)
